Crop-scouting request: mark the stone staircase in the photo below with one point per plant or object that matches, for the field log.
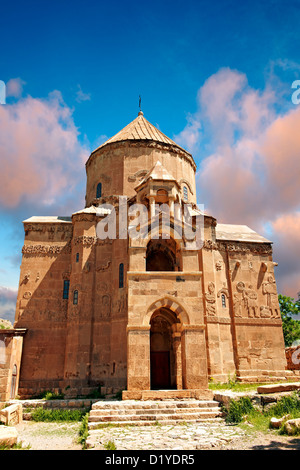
(145, 413)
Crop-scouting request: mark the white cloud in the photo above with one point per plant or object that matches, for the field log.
(251, 173)
(81, 96)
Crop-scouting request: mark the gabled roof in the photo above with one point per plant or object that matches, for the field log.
(141, 130)
(241, 233)
(41, 219)
(157, 172)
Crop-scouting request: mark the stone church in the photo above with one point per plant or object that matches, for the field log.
(150, 313)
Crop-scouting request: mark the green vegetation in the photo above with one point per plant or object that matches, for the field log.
(5, 324)
(238, 409)
(83, 431)
(39, 414)
(233, 385)
(291, 327)
(95, 394)
(110, 445)
(17, 446)
(49, 395)
(243, 412)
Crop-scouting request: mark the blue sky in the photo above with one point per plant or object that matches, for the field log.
(83, 65)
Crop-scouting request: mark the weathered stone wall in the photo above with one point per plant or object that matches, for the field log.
(131, 161)
(40, 304)
(244, 328)
(11, 343)
(96, 328)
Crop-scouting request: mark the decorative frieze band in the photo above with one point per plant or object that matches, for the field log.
(241, 247)
(46, 249)
(89, 241)
(244, 321)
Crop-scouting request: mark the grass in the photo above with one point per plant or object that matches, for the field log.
(243, 412)
(83, 431)
(17, 446)
(110, 445)
(234, 386)
(39, 414)
(49, 395)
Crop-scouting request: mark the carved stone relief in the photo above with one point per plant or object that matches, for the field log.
(238, 247)
(270, 291)
(103, 267)
(46, 249)
(219, 265)
(137, 176)
(246, 301)
(105, 306)
(210, 299)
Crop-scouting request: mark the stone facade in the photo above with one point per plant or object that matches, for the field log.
(11, 344)
(147, 313)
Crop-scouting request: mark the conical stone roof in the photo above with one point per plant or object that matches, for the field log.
(141, 130)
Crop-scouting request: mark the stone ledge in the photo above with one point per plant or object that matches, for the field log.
(285, 387)
(166, 394)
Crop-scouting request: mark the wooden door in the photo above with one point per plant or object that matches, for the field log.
(160, 370)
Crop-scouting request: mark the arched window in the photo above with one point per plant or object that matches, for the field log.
(99, 190)
(66, 289)
(121, 275)
(223, 300)
(75, 297)
(185, 193)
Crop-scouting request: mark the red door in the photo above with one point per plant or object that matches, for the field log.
(160, 370)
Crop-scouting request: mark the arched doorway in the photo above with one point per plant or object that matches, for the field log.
(165, 351)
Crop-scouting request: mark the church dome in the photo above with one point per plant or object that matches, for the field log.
(117, 165)
(141, 130)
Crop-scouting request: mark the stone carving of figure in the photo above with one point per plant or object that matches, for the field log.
(270, 290)
(106, 306)
(250, 297)
(237, 305)
(210, 299)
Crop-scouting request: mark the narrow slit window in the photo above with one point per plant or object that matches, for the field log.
(121, 275)
(77, 257)
(75, 297)
(223, 301)
(185, 193)
(66, 289)
(99, 190)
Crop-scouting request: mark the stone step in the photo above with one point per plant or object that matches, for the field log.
(154, 417)
(138, 413)
(179, 411)
(165, 422)
(132, 404)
